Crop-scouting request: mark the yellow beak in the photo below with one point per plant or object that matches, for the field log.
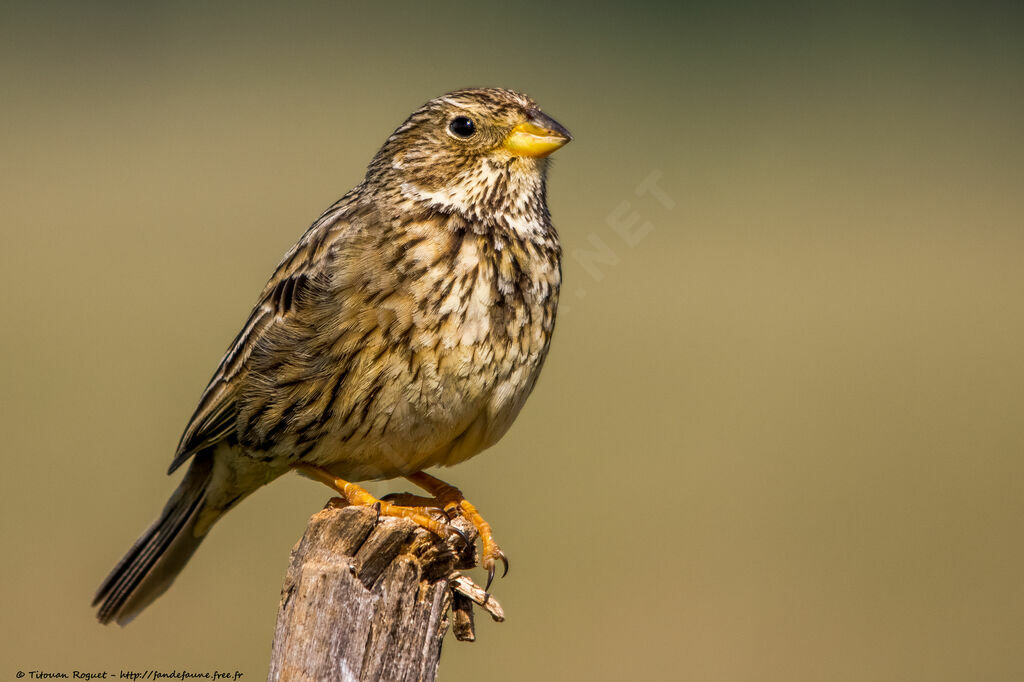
(536, 138)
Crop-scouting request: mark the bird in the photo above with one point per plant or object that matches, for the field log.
(404, 330)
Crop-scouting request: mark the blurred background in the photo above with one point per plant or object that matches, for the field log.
(779, 435)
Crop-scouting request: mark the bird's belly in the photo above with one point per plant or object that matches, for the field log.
(442, 412)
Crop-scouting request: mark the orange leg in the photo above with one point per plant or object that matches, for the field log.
(356, 495)
(430, 504)
(453, 501)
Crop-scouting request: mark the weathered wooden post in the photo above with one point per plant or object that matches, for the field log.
(369, 599)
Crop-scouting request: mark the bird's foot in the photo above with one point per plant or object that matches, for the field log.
(423, 516)
(453, 501)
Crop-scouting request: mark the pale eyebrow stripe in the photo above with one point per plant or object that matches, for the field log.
(454, 103)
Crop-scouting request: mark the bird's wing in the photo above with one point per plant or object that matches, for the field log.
(302, 271)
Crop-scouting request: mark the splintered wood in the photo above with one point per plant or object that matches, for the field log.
(368, 599)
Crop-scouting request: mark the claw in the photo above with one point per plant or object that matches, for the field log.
(490, 578)
(461, 534)
(489, 564)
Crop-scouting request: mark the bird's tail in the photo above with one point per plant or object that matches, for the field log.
(156, 558)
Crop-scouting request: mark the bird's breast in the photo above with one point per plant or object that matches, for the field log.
(453, 335)
(485, 312)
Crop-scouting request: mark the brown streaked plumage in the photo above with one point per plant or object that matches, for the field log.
(404, 330)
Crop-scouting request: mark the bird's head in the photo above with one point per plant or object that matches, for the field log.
(478, 152)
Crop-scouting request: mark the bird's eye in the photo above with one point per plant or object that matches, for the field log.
(462, 126)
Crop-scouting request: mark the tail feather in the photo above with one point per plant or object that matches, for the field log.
(156, 558)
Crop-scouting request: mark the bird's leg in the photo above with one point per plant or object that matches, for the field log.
(453, 501)
(358, 496)
(428, 505)
(410, 500)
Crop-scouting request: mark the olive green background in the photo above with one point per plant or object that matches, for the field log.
(779, 435)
